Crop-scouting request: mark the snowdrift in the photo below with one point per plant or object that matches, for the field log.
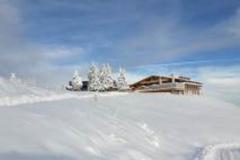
(127, 127)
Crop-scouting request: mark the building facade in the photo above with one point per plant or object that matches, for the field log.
(171, 84)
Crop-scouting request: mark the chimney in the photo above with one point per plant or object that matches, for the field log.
(160, 80)
(173, 78)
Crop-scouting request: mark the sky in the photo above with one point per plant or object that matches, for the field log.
(48, 39)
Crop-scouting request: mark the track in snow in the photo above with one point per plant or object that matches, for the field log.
(230, 151)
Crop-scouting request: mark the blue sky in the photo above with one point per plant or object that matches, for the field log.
(45, 36)
(154, 31)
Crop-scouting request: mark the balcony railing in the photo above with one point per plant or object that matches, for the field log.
(166, 86)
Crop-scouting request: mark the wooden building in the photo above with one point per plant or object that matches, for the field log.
(171, 84)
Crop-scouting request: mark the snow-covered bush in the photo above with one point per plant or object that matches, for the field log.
(121, 81)
(76, 81)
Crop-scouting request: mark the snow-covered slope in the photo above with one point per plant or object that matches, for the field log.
(18, 87)
(127, 127)
(16, 91)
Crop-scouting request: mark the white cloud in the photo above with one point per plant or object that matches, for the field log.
(61, 53)
(167, 38)
(225, 79)
(221, 82)
(30, 59)
(232, 26)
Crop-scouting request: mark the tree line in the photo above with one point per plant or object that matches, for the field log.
(100, 79)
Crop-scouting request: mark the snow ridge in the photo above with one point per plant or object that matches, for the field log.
(223, 151)
(29, 99)
(16, 91)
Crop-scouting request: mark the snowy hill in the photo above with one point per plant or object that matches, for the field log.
(126, 127)
(17, 87)
(17, 91)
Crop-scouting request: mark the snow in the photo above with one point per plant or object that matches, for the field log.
(39, 124)
(15, 92)
(121, 81)
(93, 78)
(105, 77)
(76, 81)
(16, 87)
(225, 151)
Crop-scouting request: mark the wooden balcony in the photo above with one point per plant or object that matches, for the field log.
(164, 86)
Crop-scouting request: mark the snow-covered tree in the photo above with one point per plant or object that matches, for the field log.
(106, 79)
(109, 77)
(121, 81)
(102, 78)
(94, 79)
(76, 81)
(14, 79)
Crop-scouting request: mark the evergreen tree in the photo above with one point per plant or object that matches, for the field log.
(121, 81)
(93, 78)
(109, 77)
(106, 79)
(13, 77)
(76, 81)
(102, 78)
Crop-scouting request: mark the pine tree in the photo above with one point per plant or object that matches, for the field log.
(76, 81)
(93, 78)
(121, 81)
(102, 78)
(13, 77)
(109, 77)
(106, 79)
